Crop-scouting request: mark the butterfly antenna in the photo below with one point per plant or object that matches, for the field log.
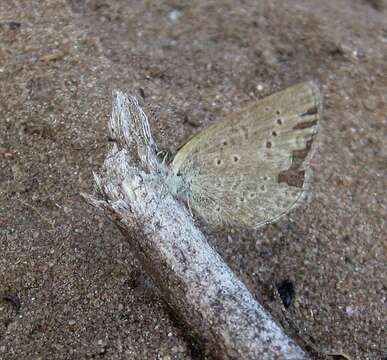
(165, 158)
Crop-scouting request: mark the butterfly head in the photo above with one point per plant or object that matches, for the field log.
(180, 184)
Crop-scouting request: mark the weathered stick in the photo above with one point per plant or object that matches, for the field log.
(192, 277)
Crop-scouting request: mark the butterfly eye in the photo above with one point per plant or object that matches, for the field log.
(274, 133)
(278, 112)
(268, 144)
(251, 195)
(236, 158)
(218, 162)
(279, 121)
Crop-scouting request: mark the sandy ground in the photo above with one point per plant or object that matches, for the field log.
(70, 285)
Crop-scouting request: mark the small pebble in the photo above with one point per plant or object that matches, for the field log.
(174, 15)
(349, 310)
(101, 346)
(259, 87)
(12, 25)
(286, 292)
(370, 104)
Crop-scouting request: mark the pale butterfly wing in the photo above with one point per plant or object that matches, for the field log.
(250, 169)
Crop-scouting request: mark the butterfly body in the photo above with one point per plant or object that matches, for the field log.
(251, 168)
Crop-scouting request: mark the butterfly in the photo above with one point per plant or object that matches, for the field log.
(252, 167)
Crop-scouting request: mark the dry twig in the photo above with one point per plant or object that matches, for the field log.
(194, 280)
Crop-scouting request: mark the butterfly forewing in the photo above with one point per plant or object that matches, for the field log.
(250, 168)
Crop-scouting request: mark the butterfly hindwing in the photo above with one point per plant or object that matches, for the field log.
(251, 168)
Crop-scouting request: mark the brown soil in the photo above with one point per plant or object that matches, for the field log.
(70, 286)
